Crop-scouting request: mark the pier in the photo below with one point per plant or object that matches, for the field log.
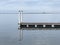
(36, 25)
(39, 25)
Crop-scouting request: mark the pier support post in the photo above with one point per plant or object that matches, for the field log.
(35, 25)
(52, 25)
(27, 25)
(44, 25)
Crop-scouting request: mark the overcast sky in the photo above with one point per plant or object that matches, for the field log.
(47, 5)
(41, 5)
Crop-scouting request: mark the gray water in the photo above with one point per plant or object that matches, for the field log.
(10, 35)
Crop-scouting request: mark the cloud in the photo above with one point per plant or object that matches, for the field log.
(45, 5)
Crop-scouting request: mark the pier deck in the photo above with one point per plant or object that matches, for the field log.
(29, 25)
(36, 25)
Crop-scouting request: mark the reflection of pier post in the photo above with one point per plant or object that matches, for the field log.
(21, 35)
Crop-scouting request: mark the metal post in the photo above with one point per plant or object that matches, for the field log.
(27, 25)
(35, 25)
(52, 25)
(20, 16)
(44, 25)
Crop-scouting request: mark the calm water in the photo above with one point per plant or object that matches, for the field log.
(10, 35)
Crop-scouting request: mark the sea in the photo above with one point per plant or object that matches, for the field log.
(11, 35)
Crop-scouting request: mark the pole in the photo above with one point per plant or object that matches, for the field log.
(20, 16)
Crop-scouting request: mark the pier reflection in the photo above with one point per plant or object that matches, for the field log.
(20, 35)
(22, 29)
(38, 28)
(38, 36)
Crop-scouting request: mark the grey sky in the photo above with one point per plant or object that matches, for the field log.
(48, 5)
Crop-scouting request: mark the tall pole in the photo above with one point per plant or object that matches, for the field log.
(20, 20)
(20, 16)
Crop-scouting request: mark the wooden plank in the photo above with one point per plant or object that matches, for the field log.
(33, 23)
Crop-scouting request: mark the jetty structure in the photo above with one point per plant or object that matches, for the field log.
(31, 25)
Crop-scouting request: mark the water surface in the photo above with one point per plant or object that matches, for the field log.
(10, 35)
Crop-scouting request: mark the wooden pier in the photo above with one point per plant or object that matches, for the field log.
(36, 25)
(39, 25)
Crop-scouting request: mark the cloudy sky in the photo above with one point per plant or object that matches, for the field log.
(30, 5)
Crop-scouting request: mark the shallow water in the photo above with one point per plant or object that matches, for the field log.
(10, 35)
